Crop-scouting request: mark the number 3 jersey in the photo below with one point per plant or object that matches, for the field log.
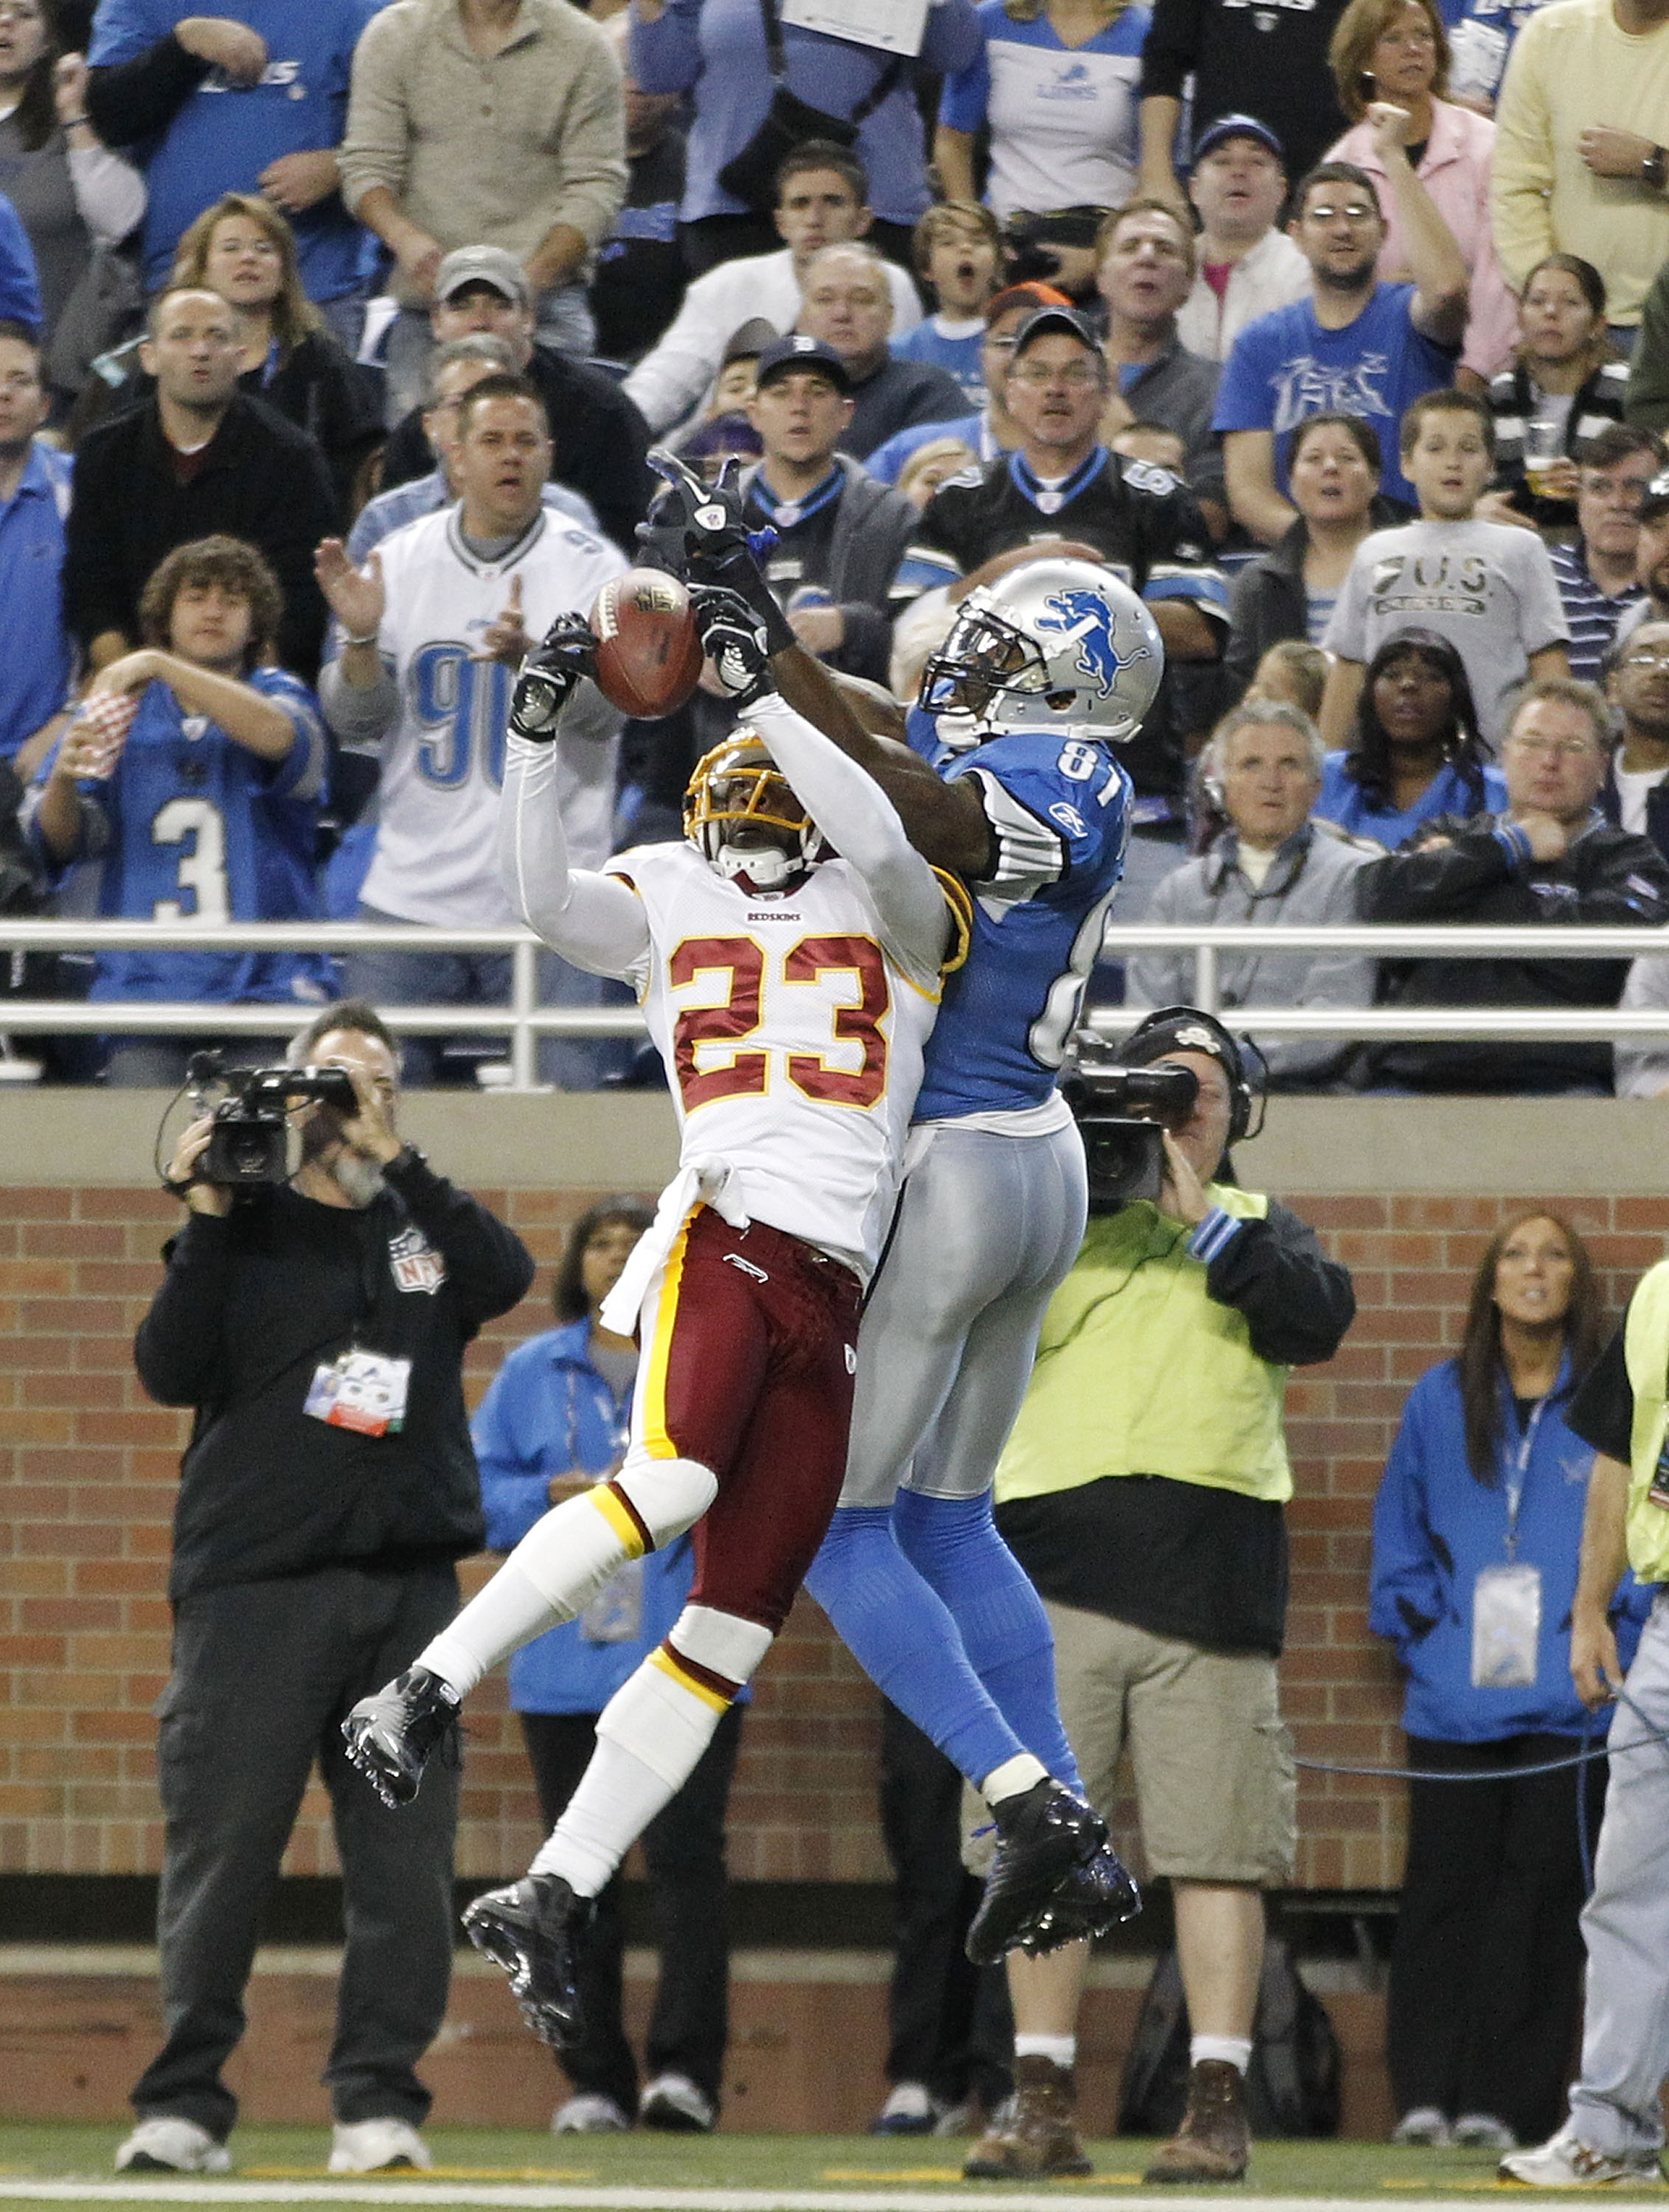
(1059, 811)
(192, 826)
(436, 854)
(792, 1037)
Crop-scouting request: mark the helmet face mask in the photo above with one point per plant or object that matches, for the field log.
(743, 817)
(1058, 645)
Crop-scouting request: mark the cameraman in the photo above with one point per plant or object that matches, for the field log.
(1142, 1491)
(318, 1326)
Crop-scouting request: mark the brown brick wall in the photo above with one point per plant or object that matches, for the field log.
(90, 1465)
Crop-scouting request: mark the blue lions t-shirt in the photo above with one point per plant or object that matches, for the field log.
(225, 135)
(1285, 366)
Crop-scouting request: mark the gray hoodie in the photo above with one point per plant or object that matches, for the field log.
(1309, 881)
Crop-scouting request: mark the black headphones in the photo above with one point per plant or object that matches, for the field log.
(1230, 1051)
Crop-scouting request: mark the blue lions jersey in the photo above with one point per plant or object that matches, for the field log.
(194, 827)
(1058, 809)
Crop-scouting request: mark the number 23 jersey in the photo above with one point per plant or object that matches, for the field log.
(792, 1037)
(1059, 810)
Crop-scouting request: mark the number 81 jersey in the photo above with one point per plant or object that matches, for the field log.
(1059, 810)
(792, 1037)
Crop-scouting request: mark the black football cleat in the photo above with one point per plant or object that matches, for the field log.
(391, 1734)
(1089, 1901)
(529, 1929)
(1044, 1836)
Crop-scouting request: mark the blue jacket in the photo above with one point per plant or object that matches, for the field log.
(546, 1411)
(1434, 1527)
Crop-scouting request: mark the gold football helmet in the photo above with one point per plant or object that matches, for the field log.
(741, 816)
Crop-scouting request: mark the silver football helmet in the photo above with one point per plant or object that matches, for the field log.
(1057, 645)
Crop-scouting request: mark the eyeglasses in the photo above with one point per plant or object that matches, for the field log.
(1554, 748)
(1358, 211)
(1077, 373)
(1628, 491)
(1645, 660)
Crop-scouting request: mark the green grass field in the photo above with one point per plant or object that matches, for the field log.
(659, 2173)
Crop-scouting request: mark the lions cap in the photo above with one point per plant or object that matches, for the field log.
(484, 265)
(1238, 126)
(800, 350)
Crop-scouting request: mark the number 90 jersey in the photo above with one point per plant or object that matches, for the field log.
(792, 1037)
(1059, 811)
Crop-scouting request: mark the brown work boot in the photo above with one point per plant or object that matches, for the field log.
(1214, 2142)
(1039, 2137)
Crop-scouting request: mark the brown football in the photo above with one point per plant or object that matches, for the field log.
(648, 651)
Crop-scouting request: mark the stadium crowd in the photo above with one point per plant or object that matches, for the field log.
(327, 377)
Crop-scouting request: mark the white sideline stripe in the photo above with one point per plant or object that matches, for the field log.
(555, 2196)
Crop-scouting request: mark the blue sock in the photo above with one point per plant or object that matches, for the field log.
(999, 1616)
(905, 1642)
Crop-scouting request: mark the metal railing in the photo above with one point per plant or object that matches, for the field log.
(526, 1020)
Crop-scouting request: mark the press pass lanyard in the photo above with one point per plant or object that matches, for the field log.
(1517, 1473)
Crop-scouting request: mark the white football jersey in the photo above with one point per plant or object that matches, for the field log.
(436, 857)
(792, 1037)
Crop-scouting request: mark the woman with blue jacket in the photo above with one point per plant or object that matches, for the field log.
(554, 1420)
(1476, 1530)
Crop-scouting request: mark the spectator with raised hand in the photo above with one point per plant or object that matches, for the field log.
(847, 306)
(1334, 471)
(958, 251)
(432, 628)
(38, 661)
(1272, 863)
(496, 122)
(1598, 572)
(452, 371)
(71, 193)
(1549, 856)
(1577, 165)
(741, 64)
(206, 811)
(1054, 85)
(197, 459)
(599, 439)
(1477, 1532)
(822, 199)
(1486, 587)
(210, 107)
(1357, 345)
(1146, 273)
(1245, 264)
(1398, 51)
(1415, 752)
(1269, 63)
(1565, 388)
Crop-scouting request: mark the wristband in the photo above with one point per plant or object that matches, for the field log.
(75, 123)
(371, 640)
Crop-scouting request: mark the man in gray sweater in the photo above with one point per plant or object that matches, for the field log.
(486, 122)
(1272, 864)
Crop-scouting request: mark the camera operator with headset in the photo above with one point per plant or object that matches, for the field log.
(1142, 1490)
(317, 1324)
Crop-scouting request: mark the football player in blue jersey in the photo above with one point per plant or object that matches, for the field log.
(208, 812)
(1043, 672)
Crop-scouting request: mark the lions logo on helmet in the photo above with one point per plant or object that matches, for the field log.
(1057, 645)
(738, 786)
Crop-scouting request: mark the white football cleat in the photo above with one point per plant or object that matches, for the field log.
(170, 2145)
(374, 2146)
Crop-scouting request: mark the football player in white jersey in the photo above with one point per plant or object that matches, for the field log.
(790, 992)
(431, 631)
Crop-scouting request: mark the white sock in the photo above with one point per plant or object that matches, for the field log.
(1013, 1778)
(1234, 2049)
(1061, 2048)
(649, 1737)
(552, 1576)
